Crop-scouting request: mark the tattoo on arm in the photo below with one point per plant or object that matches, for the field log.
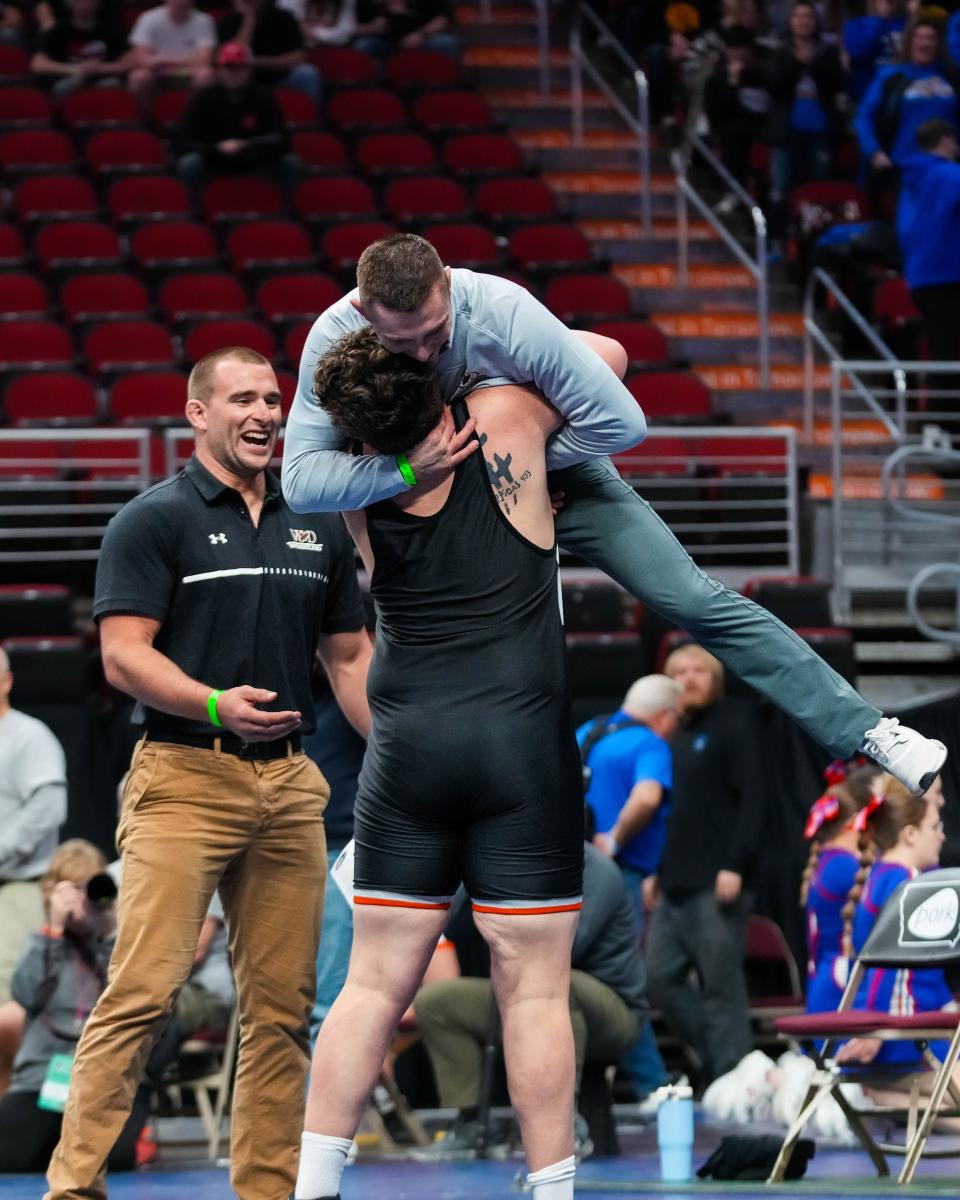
(506, 486)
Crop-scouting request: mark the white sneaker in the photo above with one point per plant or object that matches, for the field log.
(907, 755)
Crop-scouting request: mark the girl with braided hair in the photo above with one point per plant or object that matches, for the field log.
(840, 857)
(908, 834)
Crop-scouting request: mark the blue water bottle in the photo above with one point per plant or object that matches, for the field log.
(675, 1134)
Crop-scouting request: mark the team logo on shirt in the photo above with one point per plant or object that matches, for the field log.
(217, 539)
(304, 539)
(929, 914)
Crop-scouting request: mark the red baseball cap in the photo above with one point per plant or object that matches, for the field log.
(234, 54)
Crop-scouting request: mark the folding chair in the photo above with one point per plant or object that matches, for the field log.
(216, 1083)
(918, 927)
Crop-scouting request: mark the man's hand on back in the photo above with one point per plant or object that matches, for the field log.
(237, 711)
(442, 450)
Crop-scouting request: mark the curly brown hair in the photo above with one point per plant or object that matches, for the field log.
(389, 401)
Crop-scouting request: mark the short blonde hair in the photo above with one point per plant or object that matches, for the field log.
(692, 649)
(76, 860)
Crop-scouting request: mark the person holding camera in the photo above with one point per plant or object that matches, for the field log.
(57, 981)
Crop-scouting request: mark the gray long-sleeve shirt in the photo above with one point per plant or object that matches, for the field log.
(58, 985)
(605, 944)
(33, 795)
(500, 333)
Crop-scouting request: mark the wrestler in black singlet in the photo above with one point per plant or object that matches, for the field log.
(472, 772)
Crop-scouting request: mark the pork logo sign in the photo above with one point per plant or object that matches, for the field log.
(929, 915)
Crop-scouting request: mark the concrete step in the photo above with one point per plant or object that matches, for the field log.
(507, 26)
(523, 108)
(610, 194)
(626, 241)
(601, 150)
(711, 337)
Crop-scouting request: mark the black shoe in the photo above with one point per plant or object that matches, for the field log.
(336, 1197)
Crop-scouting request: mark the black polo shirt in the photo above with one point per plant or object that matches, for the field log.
(238, 604)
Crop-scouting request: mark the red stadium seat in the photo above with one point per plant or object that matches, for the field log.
(268, 244)
(23, 298)
(744, 455)
(334, 198)
(396, 154)
(14, 63)
(469, 154)
(171, 244)
(189, 297)
(427, 198)
(422, 69)
(214, 335)
(100, 108)
(644, 343)
(148, 198)
(35, 345)
(293, 342)
(893, 306)
(149, 396)
(51, 399)
(104, 297)
(128, 346)
(125, 150)
(341, 245)
(24, 107)
(72, 244)
(550, 247)
(13, 253)
(168, 108)
(240, 198)
(671, 396)
(36, 150)
(54, 198)
(472, 246)
(578, 298)
(299, 110)
(660, 456)
(365, 110)
(319, 152)
(296, 297)
(344, 66)
(38, 459)
(288, 388)
(518, 199)
(452, 111)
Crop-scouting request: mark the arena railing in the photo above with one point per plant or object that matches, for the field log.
(59, 488)
(686, 195)
(637, 122)
(890, 515)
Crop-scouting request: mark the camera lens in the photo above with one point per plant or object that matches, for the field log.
(101, 889)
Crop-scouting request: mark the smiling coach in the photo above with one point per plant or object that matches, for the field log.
(212, 598)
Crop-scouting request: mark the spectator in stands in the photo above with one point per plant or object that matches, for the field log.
(172, 44)
(409, 24)
(805, 79)
(904, 95)
(871, 41)
(325, 24)
(700, 892)
(84, 45)
(628, 774)
(607, 1007)
(234, 126)
(33, 806)
(276, 43)
(337, 749)
(58, 979)
(928, 225)
(737, 103)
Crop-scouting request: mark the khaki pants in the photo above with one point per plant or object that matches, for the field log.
(193, 820)
(21, 913)
(453, 1018)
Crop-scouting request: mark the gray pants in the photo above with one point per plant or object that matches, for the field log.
(696, 935)
(606, 523)
(453, 1019)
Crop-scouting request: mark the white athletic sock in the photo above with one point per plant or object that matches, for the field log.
(554, 1183)
(322, 1160)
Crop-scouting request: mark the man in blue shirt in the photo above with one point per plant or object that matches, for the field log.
(629, 774)
(480, 329)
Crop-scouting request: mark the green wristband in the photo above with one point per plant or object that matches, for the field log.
(212, 707)
(406, 470)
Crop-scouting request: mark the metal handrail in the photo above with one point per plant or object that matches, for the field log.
(687, 193)
(919, 581)
(639, 124)
(812, 333)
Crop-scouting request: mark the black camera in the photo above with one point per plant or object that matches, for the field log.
(101, 890)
